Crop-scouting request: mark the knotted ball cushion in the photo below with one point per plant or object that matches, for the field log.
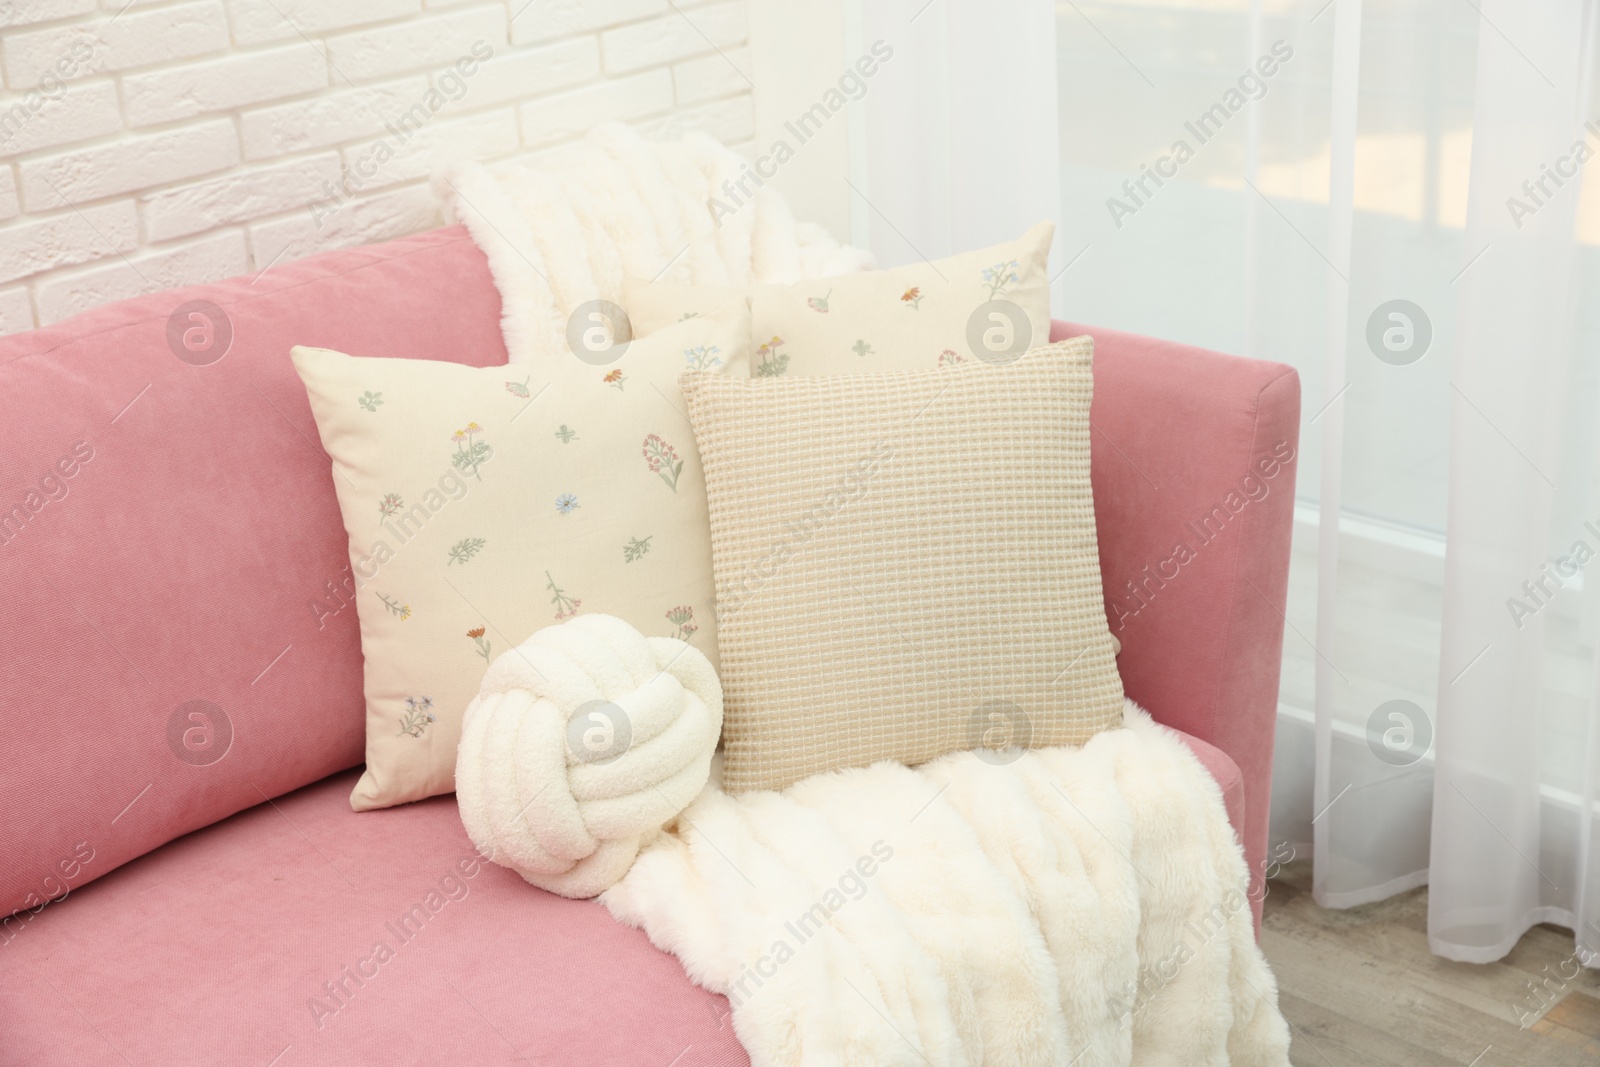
(582, 743)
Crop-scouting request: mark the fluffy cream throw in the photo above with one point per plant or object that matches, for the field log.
(569, 228)
(1080, 906)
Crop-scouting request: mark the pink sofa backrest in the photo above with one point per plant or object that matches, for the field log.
(176, 637)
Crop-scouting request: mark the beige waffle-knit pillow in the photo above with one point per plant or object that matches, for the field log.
(905, 564)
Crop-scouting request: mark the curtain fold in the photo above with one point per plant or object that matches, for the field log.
(1330, 827)
(1506, 852)
(958, 148)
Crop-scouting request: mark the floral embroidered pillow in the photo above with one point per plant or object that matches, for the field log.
(483, 504)
(990, 306)
(652, 306)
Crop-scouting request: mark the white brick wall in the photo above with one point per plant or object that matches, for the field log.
(157, 143)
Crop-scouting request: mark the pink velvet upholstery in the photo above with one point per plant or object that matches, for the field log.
(1194, 506)
(184, 560)
(214, 950)
(1227, 774)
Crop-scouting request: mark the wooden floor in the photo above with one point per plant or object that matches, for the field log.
(1359, 988)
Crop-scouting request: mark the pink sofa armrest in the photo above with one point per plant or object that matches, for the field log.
(1193, 467)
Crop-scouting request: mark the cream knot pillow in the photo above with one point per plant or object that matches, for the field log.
(581, 744)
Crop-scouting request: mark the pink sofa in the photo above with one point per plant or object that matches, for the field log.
(184, 878)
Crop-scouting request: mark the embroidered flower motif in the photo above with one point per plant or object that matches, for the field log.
(614, 378)
(566, 607)
(565, 503)
(476, 633)
(567, 434)
(999, 276)
(819, 303)
(470, 453)
(682, 617)
(911, 298)
(518, 388)
(370, 400)
(418, 717)
(861, 348)
(635, 548)
(773, 362)
(663, 459)
(390, 504)
(702, 357)
(949, 358)
(463, 550)
(394, 607)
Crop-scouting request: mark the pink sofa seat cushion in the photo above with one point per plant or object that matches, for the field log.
(186, 558)
(215, 948)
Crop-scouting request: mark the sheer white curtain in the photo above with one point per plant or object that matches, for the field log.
(1513, 834)
(1401, 198)
(955, 144)
(1407, 212)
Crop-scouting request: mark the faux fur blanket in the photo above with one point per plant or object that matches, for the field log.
(569, 228)
(1061, 906)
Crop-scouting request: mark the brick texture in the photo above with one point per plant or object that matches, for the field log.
(166, 142)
